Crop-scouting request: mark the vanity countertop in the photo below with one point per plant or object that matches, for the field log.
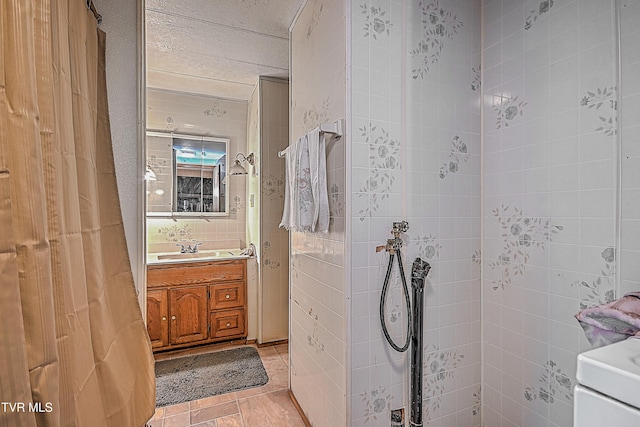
(204, 255)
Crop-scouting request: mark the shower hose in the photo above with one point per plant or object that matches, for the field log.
(383, 298)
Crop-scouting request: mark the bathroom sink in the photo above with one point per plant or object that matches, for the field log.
(201, 255)
(613, 370)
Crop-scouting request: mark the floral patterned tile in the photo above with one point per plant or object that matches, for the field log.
(535, 14)
(508, 110)
(553, 385)
(521, 236)
(384, 159)
(376, 22)
(602, 289)
(458, 154)
(377, 404)
(438, 25)
(603, 102)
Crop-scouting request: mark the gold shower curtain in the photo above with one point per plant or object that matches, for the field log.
(74, 350)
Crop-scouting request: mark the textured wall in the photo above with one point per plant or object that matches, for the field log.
(268, 133)
(253, 208)
(170, 111)
(416, 157)
(120, 23)
(274, 241)
(318, 285)
(549, 199)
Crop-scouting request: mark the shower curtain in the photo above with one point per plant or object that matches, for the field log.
(74, 350)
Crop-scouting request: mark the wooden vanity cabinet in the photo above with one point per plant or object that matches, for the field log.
(196, 303)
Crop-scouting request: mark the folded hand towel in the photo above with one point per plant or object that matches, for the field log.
(291, 170)
(318, 176)
(306, 199)
(613, 321)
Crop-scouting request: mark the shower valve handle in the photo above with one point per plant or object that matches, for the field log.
(394, 245)
(400, 227)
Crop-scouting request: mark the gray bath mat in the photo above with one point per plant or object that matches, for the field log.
(203, 375)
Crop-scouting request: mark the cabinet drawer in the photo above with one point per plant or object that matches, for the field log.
(195, 273)
(227, 323)
(228, 295)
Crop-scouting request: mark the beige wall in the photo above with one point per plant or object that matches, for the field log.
(253, 209)
(268, 133)
(120, 22)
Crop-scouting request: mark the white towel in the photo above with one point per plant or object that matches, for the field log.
(291, 172)
(318, 178)
(306, 199)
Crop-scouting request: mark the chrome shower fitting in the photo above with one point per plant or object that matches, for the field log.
(419, 271)
(415, 315)
(400, 227)
(394, 245)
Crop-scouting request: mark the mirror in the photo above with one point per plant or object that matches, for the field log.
(186, 175)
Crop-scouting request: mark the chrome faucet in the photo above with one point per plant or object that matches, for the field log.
(250, 250)
(188, 249)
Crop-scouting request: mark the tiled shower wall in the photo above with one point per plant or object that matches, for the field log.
(548, 92)
(549, 185)
(170, 112)
(319, 293)
(416, 156)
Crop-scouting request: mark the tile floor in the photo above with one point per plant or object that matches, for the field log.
(264, 406)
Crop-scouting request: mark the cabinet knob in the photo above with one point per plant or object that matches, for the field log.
(227, 296)
(164, 317)
(228, 324)
(173, 317)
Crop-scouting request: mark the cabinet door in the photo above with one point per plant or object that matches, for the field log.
(188, 314)
(157, 314)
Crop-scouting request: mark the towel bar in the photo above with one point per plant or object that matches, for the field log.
(334, 128)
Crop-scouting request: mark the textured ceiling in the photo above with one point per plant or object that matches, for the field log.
(217, 47)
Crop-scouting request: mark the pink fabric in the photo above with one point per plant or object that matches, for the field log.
(613, 321)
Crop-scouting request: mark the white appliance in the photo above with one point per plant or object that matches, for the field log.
(608, 393)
